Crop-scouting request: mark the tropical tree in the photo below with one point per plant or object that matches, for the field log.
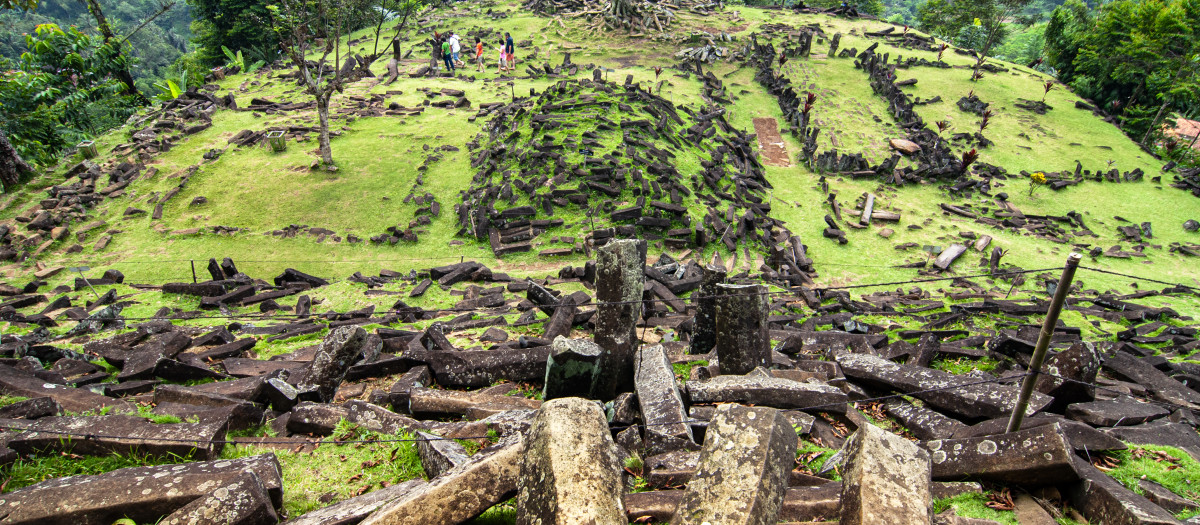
(64, 88)
(316, 28)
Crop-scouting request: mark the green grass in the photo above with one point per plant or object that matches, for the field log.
(963, 365)
(332, 473)
(6, 400)
(1143, 462)
(31, 470)
(973, 505)
(683, 371)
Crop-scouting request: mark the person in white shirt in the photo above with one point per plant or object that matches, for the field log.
(455, 48)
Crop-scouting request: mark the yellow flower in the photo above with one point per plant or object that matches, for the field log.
(1038, 178)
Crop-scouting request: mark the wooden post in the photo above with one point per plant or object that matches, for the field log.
(1039, 351)
(193, 272)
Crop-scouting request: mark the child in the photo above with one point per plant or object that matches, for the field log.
(479, 54)
(503, 55)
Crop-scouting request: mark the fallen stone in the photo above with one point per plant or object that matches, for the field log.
(353, 510)
(885, 479)
(241, 501)
(905, 146)
(460, 493)
(1162, 433)
(742, 474)
(439, 454)
(964, 396)
(1042, 453)
(570, 472)
(660, 403)
(137, 493)
(1115, 412)
(1102, 499)
(1029, 512)
(104, 435)
(16, 383)
(760, 388)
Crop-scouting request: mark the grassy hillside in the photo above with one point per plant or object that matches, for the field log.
(258, 191)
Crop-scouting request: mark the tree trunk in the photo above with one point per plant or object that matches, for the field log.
(106, 31)
(12, 167)
(323, 136)
(1154, 123)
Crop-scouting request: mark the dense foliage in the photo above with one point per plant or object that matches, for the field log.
(243, 25)
(156, 46)
(61, 90)
(1137, 59)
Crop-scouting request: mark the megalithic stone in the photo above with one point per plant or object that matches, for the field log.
(570, 473)
(886, 480)
(704, 328)
(660, 402)
(340, 349)
(743, 469)
(571, 368)
(742, 341)
(620, 279)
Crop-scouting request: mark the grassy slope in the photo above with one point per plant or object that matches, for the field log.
(254, 189)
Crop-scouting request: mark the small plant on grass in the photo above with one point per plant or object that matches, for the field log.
(1036, 181)
(1048, 86)
(987, 119)
(942, 51)
(942, 126)
(968, 158)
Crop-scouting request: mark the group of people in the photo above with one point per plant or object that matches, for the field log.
(450, 45)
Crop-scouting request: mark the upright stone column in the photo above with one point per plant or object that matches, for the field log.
(742, 340)
(620, 279)
(570, 473)
(743, 469)
(571, 368)
(704, 327)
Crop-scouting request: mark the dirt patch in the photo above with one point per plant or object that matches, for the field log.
(770, 142)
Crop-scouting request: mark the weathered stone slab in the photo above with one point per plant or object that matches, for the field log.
(704, 335)
(138, 493)
(353, 510)
(620, 279)
(661, 405)
(742, 474)
(1040, 455)
(570, 472)
(242, 501)
(885, 480)
(17, 383)
(925, 424)
(760, 388)
(571, 368)
(1080, 362)
(439, 454)
(460, 493)
(1134, 369)
(103, 435)
(963, 396)
(485, 367)
(1162, 433)
(1102, 499)
(35, 408)
(742, 341)
(437, 401)
(1115, 412)
(336, 353)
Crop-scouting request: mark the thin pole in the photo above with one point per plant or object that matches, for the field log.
(1039, 351)
(193, 271)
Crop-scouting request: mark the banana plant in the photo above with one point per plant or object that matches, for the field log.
(236, 59)
(169, 90)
